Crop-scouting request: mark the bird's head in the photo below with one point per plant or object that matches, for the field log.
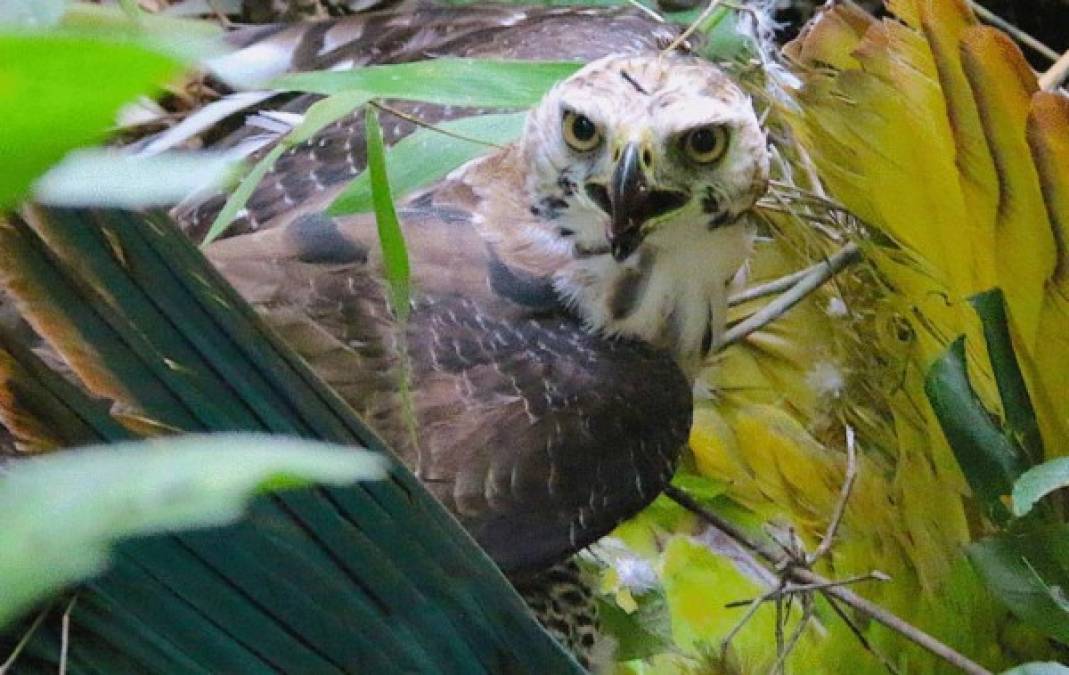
(633, 146)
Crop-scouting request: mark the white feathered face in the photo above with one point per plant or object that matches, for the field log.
(629, 146)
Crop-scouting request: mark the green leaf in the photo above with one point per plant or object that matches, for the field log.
(394, 252)
(1017, 404)
(988, 459)
(53, 97)
(1038, 482)
(62, 512)
(1029, 573)
(183, 39)
(642, 633)
(1048, 668)
(98, 177)
(428, 154)
(447, 81)
(319, 115)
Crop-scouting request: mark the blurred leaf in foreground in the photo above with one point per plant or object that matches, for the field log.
(63, 511)
(59, 92)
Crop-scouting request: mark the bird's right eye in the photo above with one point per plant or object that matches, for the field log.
(580, 133)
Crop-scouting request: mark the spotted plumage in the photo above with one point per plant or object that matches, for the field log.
(565, 287)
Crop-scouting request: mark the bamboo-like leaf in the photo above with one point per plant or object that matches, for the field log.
(447, 81)
(96, 177)
(394, 252)
(62, 512)
(319, 115)
(427, 155)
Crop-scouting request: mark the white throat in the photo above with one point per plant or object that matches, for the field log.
(671, 293)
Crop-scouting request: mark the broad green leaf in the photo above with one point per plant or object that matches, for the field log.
(427, 155)
(98, 177)
(1038, 482)
(59, 93)
(1029, 573)
(641, 633)
(447, 81)
(319, 115)
(988, 459)
(1017, 404)
(62, 512)
(1048, 668)
(394, 253)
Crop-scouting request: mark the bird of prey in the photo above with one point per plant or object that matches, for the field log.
(566, 289)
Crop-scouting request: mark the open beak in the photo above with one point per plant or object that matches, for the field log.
(633, 201)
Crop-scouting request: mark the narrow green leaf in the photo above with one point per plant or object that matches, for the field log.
(1038, 482)
(62, 512)
(1029, 573)
(447, 81)
(184, 39)
(988, 459)
(1017, 404)
(319, 115)
(394, 252)
(99, 177)
(427, 155)
(53, 99)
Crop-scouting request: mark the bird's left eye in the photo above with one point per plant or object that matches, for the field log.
(706, 144)
(580, 133)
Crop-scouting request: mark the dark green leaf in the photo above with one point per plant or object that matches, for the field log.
(62, 512)
(1017, 404)
(53, 98)
(1029, 573)
(427, 155)
(644, 632)
(988, 459)
(447, 81)
(1038, 482)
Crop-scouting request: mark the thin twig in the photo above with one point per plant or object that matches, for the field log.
(647, 10)
(706, 13)
(1018, 34)
(788, 647)
(848, 597)
(24, 640)
(875, 575)
(427, 125)
(813, 280)
(844, 497)
(770, 288)
(65, 634)
(1056, 74)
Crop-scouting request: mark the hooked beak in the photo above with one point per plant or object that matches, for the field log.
(633, 201)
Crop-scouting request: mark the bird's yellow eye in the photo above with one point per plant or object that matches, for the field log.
(580, 133)
(705, 145)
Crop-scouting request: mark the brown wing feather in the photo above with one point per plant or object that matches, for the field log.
(539, 436)
(336, 154)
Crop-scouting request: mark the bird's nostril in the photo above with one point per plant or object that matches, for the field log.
(600, 195)
(647, 158)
